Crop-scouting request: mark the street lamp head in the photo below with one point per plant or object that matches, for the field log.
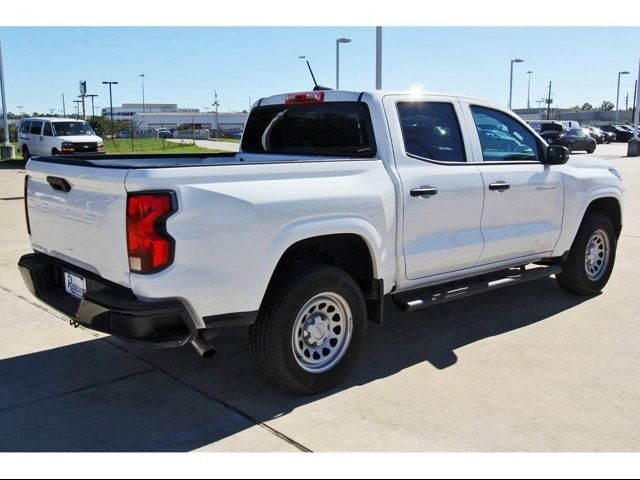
(141, 75)
(302, 56)
(517, 60)
(344, 40)
(623, 73)
(529, 72)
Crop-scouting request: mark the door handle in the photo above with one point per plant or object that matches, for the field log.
(500, 186)
(425, 191)
(59, 184)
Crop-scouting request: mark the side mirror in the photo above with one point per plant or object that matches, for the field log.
(556, 155)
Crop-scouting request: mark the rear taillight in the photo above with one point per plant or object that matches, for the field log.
(149, 245)
(304, 97)
(26, 207)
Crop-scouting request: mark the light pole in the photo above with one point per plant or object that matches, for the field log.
(515, 60)
(113, 125)
(20, 107)
(529, 89)
(338, 42)
(378, 58)
(93, 110)
(216, 104)
(142, 78)
(7, 146)
(618, 94)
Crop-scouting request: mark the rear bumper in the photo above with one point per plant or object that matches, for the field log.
(107, 307)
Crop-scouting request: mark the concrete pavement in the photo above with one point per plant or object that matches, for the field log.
(530, 368)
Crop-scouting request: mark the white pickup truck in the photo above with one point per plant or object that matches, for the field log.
(335, 200)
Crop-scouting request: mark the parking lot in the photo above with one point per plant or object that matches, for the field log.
(530, 368)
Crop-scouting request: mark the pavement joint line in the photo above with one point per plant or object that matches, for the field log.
(219, 401)
(45, 309)
(77, 390)
(11, 198)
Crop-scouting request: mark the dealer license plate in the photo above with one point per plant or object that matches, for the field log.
(75, 285)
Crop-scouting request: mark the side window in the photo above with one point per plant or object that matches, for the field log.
(24, 128)
(502, 137)
(431, 130)
(36, 128)
(46, 131)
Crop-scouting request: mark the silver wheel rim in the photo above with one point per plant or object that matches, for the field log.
(322, 332)
(596, 256)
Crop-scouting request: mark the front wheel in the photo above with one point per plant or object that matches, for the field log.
(309, 329)
(590, 263)
(591, 150)
(25, 153)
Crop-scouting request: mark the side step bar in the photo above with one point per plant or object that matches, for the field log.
(426, 297)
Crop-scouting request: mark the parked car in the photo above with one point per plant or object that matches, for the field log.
(164, 133)
(123, 134)
(622, 134)
(302, 236)
(576, 139)
(598, 135)
(56, 136)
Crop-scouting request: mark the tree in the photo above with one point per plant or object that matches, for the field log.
(586, 107)
(606, 106)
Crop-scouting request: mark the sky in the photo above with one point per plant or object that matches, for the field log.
(186, 65)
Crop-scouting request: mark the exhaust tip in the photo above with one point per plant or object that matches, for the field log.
(203, 347)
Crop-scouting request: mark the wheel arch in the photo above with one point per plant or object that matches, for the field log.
(351, 252)
(609, 207)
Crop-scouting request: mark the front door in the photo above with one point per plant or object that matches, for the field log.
(442, 190)
(524, 199)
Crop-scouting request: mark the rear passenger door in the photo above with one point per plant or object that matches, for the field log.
(442, 190)
(524, 199)
(35, 138)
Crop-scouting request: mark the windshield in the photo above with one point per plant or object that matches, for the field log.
(63, 129)
(332, 129)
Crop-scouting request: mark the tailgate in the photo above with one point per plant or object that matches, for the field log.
(85, 225)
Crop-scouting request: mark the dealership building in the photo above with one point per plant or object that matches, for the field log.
(168, 115)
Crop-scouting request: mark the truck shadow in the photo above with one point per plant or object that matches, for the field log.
(104, 395)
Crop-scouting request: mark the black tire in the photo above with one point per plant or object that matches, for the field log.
(272, 336)
(569, 147)
(25, 153)
(574, 277)
(54, 152)
(591, 150)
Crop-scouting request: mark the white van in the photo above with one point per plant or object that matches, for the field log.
(566, 124)
(57, 136)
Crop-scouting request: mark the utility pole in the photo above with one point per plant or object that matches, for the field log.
(93, 110)
(378, 58)
(20, 107)
(77, 102)
(549, 103)
(216, 104)
(64, 108)
(113, 125)
(626, 101)
(51, 110)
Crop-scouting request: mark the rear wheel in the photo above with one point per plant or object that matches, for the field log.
(591, 149)
(309, 329)
(590, 263)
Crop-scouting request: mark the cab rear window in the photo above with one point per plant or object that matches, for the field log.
(328, 129)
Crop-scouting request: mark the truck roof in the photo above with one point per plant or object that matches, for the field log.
(353, 96)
